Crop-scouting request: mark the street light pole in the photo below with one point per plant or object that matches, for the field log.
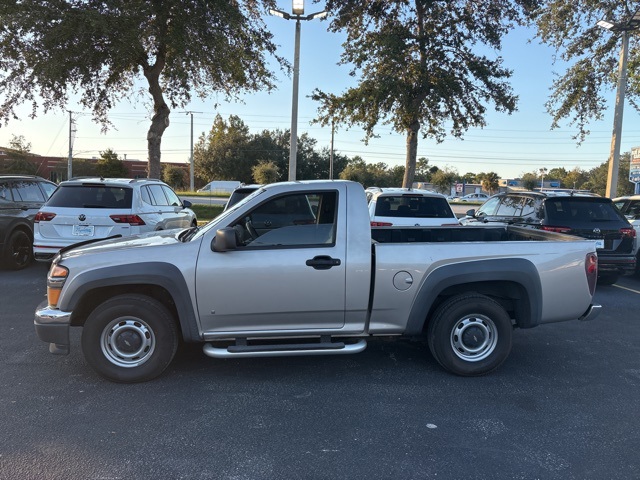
(629, 25)
(293, 144)
(297, 15)
(616, 137)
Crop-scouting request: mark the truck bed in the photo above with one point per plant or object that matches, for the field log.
(492, 233)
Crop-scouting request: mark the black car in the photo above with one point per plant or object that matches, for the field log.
(240, 193)
(587, 216)
(21, 196)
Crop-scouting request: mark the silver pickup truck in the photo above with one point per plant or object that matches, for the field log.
(296, 269)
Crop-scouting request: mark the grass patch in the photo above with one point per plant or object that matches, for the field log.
(205, 213)
(203, 194)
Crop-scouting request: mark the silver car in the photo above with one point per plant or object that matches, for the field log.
(89, 208)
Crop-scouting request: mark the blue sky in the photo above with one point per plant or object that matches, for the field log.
(509, 145)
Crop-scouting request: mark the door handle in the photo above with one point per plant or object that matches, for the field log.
(323, 262)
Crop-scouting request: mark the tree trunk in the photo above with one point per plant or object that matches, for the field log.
(412, 155)
(159, 122)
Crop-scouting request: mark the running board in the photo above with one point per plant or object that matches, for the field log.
(285, 350)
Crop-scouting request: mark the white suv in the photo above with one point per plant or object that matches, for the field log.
(93, 208)
(408, 207)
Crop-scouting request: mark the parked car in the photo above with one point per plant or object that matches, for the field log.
(630, 208)
(240, 193)
(582, 215)
(20, 198)
(220, 187)
(408, 207)
(91, 208)
(473, 197)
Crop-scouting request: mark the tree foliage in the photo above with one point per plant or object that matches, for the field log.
(489, 181)
(583, 92)
(420, 67)
(99, 48)
(174, 176)
(110, 166)
(443, 180)
(265, 172)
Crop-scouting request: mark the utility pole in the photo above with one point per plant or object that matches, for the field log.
(331, 155)
(70, 160)
(191, 166)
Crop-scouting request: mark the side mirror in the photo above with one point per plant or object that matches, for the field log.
(186, 204)
(224, 240)
(471, 213)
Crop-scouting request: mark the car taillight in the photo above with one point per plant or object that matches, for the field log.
(549, 228)
(130, 219)
(381, 224)
(43, 217)
(591, 269)
(628, 232)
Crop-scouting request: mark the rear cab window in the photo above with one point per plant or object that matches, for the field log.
(412, 206)
(567, 209)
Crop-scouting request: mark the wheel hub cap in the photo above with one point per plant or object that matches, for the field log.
(127, 342)
(474, 338)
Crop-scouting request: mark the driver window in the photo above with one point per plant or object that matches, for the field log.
(292, 220)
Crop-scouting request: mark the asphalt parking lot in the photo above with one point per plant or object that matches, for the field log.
(564, 406)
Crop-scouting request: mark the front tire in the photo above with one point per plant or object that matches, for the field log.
(18, 252)
(130, 338)
(470, 335)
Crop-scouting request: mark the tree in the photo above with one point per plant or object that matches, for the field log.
(16, 162)
(223, 153)
(110, 166)
(20, 144)
(489, 181)
(443, 179)
(529, 180)
(575, 179)
(597, 182)
(100, 47)
(592, 57)
(265, 172)
(174, 176)
(420, 67)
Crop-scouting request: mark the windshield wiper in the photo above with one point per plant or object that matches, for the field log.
(187, 234)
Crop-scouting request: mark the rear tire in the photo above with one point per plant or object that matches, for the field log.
(470, 335)
(18, 251)
(130, 338)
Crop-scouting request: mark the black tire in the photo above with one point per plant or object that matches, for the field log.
(608, 279)
(18, 251)
(470, 335)
(130, 338)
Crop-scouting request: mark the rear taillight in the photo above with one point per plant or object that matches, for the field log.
(628, 232)
(591, 269)
(381, 224)
(43, 217)
(549, 228)
(130, 219)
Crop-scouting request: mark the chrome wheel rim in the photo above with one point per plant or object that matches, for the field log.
(128, 342)
(474, 338)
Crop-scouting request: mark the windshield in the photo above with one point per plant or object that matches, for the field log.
(227, 213)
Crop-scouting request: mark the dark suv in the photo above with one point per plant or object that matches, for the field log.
(20, 198)
(587, 216)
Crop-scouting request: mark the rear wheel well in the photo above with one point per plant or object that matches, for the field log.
(91, 299)
(512, 296)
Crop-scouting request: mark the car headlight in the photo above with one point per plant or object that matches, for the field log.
(55, 281)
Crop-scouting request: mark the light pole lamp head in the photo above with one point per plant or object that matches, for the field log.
(297, 7)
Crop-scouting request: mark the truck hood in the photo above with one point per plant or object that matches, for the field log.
(150, 239)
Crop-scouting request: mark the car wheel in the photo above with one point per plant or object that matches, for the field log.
(18, 252)
(470, 335)
(130, 338)
(608, 279)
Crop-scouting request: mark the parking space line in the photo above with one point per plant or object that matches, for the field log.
(627, 288)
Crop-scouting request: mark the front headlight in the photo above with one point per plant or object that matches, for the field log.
(55, 281)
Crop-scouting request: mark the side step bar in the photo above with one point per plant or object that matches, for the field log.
(285, 350)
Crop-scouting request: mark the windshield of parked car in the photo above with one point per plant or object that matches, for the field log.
(565, 209)
(91, 196)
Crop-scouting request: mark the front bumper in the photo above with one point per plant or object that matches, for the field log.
(52, 326)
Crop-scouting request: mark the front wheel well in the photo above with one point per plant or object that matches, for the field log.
(92, 298)
(512, 296)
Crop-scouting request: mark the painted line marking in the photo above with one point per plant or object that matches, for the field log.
(627, 288)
